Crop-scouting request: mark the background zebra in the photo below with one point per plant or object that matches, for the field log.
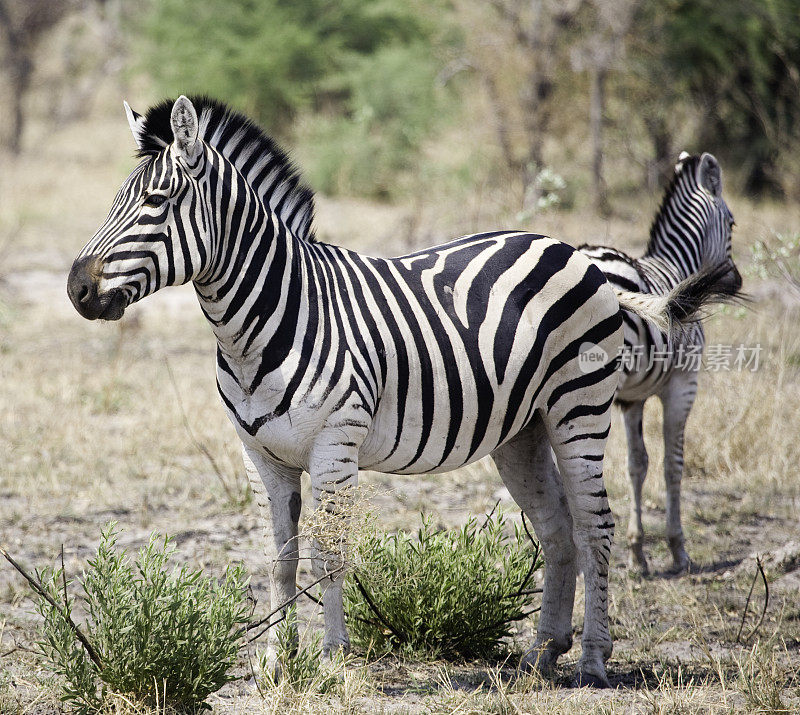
(691, 230)
(329, 361)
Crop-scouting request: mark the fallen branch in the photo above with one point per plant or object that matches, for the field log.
(39, 589)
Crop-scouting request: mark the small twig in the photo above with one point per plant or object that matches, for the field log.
(265, 629)
(530, 592)
(500, 622)
(537, 550)
(760, 571)
(308, 595)
(319, 603)
(490, 515)
(64, 577)
(253, 671)
(400, 637)
(527, 531)
(262, 621)
(36, 586)
(199, 446)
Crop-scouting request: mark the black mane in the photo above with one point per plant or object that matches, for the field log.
(260, 160)
(689, 164)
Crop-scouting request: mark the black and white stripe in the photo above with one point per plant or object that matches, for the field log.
(329, 361)
(691, 231)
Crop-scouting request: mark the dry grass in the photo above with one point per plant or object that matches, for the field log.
(90, 428)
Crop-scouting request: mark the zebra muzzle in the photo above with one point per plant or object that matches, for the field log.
(83, 291)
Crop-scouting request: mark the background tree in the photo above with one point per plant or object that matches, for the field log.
(739, 64)
(518, 50)
(604, 25)
(23, 23)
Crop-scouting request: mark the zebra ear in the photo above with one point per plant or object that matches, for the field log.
(136, 123)
(184, 127)
(709, 175)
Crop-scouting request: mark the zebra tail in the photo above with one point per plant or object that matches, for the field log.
(686, 302)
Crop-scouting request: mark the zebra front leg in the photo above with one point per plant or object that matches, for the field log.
(334, 477)
(527, 469)
(277, 492)
(632, 413)
(677, 398)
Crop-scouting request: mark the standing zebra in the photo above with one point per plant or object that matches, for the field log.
(329, 361)
(691, 230)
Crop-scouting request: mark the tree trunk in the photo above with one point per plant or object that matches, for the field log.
(18, 71)
(20, 76)
(536, 122)
(596, 113)
(659, 167)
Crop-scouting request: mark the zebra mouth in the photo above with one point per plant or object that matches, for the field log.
(108, 306)
(115, 304)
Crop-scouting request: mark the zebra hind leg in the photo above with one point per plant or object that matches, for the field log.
(578, 440)
(527, 469)
(677, 398)
(632, 413)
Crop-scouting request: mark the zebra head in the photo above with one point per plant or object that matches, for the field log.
(693, 227)
(149, 239)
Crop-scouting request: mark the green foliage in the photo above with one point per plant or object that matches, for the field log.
(740, 62)
(391, 108)
(362, 71)
(300, 668)
(268, 57)
(450, 594)
(164, 635)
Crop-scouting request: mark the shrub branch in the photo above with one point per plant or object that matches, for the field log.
(285, 604)
(401, 637)
(37, 587)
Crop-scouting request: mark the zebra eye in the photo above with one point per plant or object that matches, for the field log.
(154, 200)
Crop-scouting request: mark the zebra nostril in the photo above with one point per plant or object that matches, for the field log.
(84, 294)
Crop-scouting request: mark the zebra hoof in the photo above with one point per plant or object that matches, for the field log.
(272, 670)
(681, 567)
(585, 679)
(637, 562)
(542, 658)
(681, 563)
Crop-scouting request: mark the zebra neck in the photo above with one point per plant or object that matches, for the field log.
(261, 279)
(674, 250)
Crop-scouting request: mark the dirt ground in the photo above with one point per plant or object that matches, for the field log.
(101, 422)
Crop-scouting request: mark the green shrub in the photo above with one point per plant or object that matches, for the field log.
(450, 594)
(167, 636)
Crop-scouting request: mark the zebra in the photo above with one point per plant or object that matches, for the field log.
(329, 361)
(692, 229)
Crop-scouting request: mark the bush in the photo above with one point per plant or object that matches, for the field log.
(450, 594)
(160, 636)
